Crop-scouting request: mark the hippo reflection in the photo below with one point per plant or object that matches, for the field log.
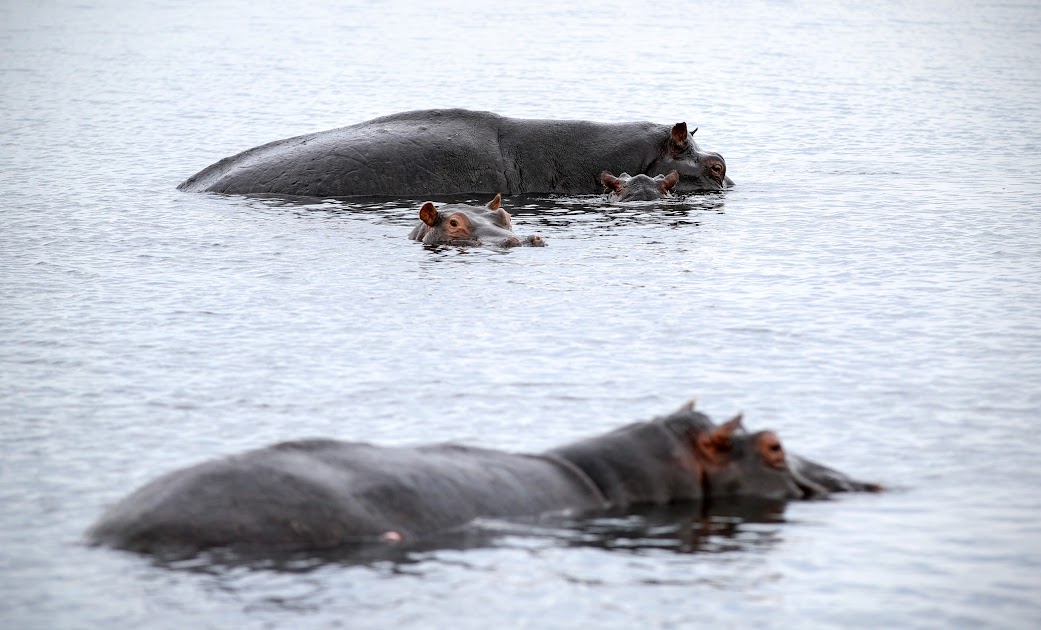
(312, 494)
(461, 224)
(456, 151)
(641, 187)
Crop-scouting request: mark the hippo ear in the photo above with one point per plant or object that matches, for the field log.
(669, 182)
(679, 135)
(611, 181)
(429, 214)
(720, 436)
(495, 203)
(714, 445)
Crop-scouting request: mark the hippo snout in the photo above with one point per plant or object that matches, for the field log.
(527, 241)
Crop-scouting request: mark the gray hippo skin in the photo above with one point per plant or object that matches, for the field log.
(628, 187)
(315, 494)
(461, 224)
(455, 151)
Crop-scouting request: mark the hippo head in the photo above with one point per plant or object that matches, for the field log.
(731, 462)
(734, 463)
(640, 187)
(685, 456)
(461, 224)
(698, 170)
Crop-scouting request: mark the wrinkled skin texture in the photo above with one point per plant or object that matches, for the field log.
(461, 224)
(315, 494)
(454, 151)
(641, 187)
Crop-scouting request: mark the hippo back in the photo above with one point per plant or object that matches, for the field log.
(325, 493)
(567, 156)
(407, 155)
(454, 151)
(645, 462)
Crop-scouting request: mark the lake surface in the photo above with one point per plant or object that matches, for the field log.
(870, 289)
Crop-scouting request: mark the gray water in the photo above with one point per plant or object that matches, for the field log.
(871, 289)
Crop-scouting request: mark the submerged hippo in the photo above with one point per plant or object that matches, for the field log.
(455, 151)
(461, 224)
(313, 494)
(628, 187)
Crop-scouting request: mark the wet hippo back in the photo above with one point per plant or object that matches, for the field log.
(444, 152)
(324, 493)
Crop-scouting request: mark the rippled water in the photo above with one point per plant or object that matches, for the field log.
(870, 289)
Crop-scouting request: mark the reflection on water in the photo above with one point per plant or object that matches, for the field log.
(528, 212)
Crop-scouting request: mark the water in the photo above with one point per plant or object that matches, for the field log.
(870, 289)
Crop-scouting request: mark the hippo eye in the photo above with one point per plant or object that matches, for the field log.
(770, 450)
(454, 223)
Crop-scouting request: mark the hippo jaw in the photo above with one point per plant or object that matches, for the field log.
(807, 488)
(819, 480)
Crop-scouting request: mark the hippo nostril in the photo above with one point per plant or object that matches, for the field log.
(512, 241)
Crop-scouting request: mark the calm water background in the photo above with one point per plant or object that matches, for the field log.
(871, 290)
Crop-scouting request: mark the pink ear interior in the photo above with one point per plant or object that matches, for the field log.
(679, 135)
(495, 203)
(670, 181)
(428, 214)
(728, 428)
(611, 181)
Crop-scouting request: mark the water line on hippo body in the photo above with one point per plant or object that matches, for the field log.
(323, 493)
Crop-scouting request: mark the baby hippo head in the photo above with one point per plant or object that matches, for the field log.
(462, 224)
(641, 187)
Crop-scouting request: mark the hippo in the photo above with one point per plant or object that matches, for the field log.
(641, 187)
(435, 152)
(322, 493)
(461, 224)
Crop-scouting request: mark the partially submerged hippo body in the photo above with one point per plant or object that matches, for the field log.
(628, 187)
(455, 151)
(462, 224)
(314, 494)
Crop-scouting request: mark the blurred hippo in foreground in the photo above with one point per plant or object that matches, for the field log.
(628, 187)
(456, 151)
(312, 494)
(461, 224)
